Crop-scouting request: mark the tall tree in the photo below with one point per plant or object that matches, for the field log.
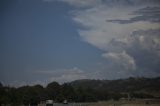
(53, 90)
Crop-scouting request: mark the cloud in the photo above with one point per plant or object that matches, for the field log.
(148, 40)
(150, 14)
(127, 31)
(143, 39)
(68, 78)
(64, 75)
(110, 3)
(98, 32)
(82, 3)
(19, 83)
(58, 75)
(121, 58)
(144, 47)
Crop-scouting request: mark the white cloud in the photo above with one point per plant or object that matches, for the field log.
(148, 40)
(68, 77)
(113, 38)
(73, 70)
(99, 32)
(64, 75)
(121, 58)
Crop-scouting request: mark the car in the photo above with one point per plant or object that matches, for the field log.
(49, 102)
(65, 102)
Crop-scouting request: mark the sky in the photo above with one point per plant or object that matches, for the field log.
(65, 40)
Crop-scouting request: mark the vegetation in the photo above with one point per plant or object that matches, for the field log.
(82, 91)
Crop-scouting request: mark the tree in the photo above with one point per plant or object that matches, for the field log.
(53, 90)
(1, 85)
(68, 92)
(40, 92)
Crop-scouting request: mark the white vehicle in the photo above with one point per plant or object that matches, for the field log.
(49, 102)
(65, 102)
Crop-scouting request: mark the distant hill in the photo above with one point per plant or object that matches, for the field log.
(138, 85)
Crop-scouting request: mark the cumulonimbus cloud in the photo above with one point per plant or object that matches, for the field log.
(121, 58)
(118, 27)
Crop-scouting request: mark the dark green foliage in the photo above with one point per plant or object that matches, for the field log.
(81, 91)
(1, 85)
(121, 85)
(68, 92)
(85, 95)
(141, 95)
(53, 90)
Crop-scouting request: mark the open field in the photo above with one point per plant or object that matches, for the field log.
(123, 104)
(103, 104)
(113, 103)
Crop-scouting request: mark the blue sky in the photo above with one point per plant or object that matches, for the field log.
(65, 40)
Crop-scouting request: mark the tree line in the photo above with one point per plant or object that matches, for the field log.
(79, 91)
(37, 93)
